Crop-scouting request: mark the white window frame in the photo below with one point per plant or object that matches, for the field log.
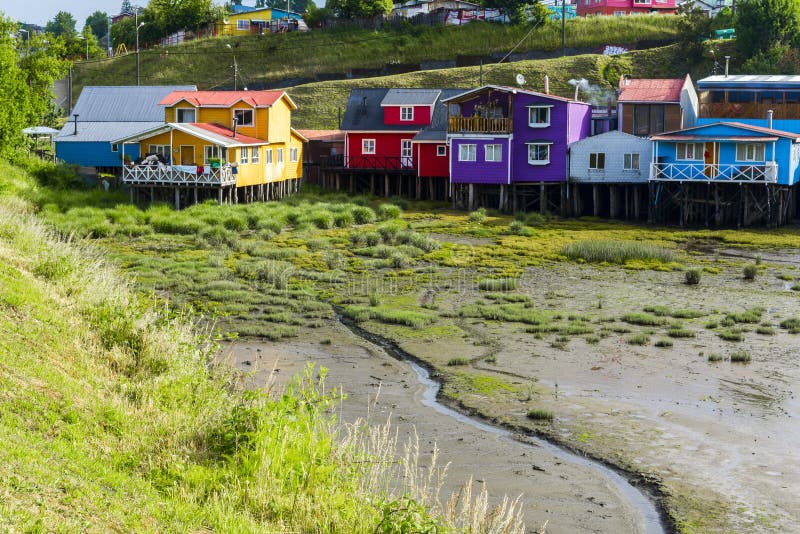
(255, 156)
(268, 156)
(539, 161)
(114, 147)
(599, 161)
(682, 151)
(628, 160)
(619, 13)
(368, 146)
(535, 110)
(243, 24)
(235, 112)
(243, 152)
(178, 112)
(467, 152)
(441, 150)
(750, 152)
(279, 156)
(294, 155)
(493, 153)
(161, 150)
(406, 113)
(211, 151)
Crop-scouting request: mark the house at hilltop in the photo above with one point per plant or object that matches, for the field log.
(256, 21)
(103, 114)
(586, 8)
(227, 145)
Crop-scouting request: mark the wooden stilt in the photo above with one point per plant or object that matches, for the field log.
(177, 199)
(371, 184)
(386, 190)
(471, 198)
(418, 195)
(596, 200)
(219, 195)
(542, 199)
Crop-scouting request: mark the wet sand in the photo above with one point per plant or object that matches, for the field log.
(567, 497)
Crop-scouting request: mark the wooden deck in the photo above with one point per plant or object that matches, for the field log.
(178, 175)
(701, 172)
(478, 125)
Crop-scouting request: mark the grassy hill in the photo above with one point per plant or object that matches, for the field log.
(288, 59)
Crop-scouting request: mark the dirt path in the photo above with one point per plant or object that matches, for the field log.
(569, 498)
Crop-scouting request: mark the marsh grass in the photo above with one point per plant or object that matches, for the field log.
(749, 316)
(679, 331)
(741, 356)
(497, 284)
(663, 343)
(619, 252)
(792, 325)
(540, 414)
(458, 361)
(731, 334)
(715, 357)
(643, 319)
(639, 339)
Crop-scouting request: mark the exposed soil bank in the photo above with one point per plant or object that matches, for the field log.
(569, 498)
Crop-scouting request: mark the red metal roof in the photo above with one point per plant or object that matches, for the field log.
(224, 132)
(328, 136)
(652, 90)
(223, 98)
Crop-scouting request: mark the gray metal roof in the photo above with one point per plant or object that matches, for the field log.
(364, 111)
(89, 132)
(431, 135)
(124, 103)
(751, 80)
(410, 97)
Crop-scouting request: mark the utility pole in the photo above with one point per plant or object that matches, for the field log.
(108, 26)
(138, 27)
(563, 27)
(235, 68)
(69, 92)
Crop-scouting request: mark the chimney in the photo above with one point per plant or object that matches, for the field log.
(727, 64)
(546, 84)
(577, 88)
(769, 119)
(76, 123)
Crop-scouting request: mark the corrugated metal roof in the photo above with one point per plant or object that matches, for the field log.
(652, 90)
(91, 132)
(472, 92)
(124, 103)
(431, 135)
(225, 98)
(327, 136)
(750, 80)
(410, 97)
(364, 112)
(713, 138)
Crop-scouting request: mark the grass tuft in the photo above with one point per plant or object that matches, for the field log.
(619, 252)
(539, 414)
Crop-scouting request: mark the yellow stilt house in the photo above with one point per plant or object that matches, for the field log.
(229, 145)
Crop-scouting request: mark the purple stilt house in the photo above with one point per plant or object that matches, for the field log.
(513, 142)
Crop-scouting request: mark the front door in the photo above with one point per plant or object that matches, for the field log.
(406, 157)
(187, 155)
(711, 159)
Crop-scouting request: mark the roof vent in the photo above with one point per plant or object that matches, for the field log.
(76, 123)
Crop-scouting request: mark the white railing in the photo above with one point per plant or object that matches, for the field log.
(685, 172)
(178, 175)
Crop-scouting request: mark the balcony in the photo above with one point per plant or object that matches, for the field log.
(748, 110)
(178, 175)
(478, 125)
(699, 172)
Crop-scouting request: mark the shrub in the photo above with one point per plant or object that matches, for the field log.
(372, 238)
(175, 223)
(343, 219)
(497, 284)
(217, 236)
(363, 215)
(388, 211)
(478, 216)
(606, 251)
(388, 232)
(235, 223)
(322, 219)
(750, 272)
(692, 277)
(741, 356)
(535, 219)
(460, 360)
(538, 414)
(357, 239)
(398, 260)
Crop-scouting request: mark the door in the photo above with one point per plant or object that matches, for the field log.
(406, 156)
(711, 159)
(187, 155)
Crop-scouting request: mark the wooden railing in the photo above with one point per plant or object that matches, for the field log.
(685, 172)
(178, 175)
(367, 161)
(750, 110)
(478, 125)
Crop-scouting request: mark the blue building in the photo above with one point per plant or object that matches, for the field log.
(103, 114)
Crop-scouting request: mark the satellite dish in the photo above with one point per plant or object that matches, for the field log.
(520, 80)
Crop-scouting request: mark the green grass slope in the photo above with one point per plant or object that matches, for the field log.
(111, 418)
(271, 58)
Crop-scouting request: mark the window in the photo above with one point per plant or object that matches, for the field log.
(242, 24)
(114, 147)
(539, 116)
(646, 2)
(538, 153)
(293, 155)
(750, 152)
(368, 146)
(185, 115)
(630, 162)
(255, 156)
(648, 119)
(690, 151)
(243, 117)
(466, 152)
(211, 152)
(441, 150)
(597, 160)
(161, 150)
(619, 13)
(279, 156)
(493, 153)
(243, 155)
(268, 156)
(406, 113)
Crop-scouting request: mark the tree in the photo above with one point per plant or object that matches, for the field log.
(297, 6)
(62, 23)
(359, 8)
(126, 8)
(124, 32)
(761, 25)
(694, 25)
(98, 23)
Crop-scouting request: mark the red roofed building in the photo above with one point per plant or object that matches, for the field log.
(623, 7)
(648, 107)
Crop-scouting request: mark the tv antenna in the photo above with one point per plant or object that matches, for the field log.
(520, 80)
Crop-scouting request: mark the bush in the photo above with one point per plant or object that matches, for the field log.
(322, 219)
(363, 215)
(535, 219)
(372, 238)
(692, 277)
(388, 211)
(518, 228)
(750, 272)
(388, 232)
(343, 219)
(460, 360)
(605, 251)
(236, 223)
(398, 260)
